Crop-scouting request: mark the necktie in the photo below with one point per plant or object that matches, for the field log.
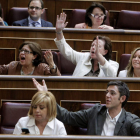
(34, 24)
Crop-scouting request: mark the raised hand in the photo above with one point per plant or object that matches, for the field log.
(97, 47)
(49, 58)
(61, 22)
(39, 86)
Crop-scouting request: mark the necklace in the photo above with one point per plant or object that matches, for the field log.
(22, 73)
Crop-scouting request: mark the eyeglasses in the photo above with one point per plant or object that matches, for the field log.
(97, 16)
(36, 8)
(25, 51)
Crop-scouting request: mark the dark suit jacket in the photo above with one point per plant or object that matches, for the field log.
(24, 22)
(93, 119)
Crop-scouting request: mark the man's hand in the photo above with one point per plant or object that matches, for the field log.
(39, 86)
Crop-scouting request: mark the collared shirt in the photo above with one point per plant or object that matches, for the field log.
(92, 72)
(54, 127)
(109, 125)
(38, 23)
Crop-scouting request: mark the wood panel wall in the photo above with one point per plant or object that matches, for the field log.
(55, 6)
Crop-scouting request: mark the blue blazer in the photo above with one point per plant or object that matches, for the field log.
(24, 22)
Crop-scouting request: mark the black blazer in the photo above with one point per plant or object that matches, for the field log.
(24, 22)
(93, 119)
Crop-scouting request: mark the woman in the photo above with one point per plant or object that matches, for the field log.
(94, 63)
(41, 117)
(94, 18)
(30, 62)
(133, 67)
(2, 23)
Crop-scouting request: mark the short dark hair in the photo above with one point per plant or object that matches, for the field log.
(36, 49)
(89, 11)
(108, 46)
(122, 88)
(0, 11)
(42, 3)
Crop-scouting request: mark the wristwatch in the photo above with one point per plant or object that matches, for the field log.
(54, 67)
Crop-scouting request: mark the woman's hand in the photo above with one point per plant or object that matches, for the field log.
(61, 22)
(39, 86)
(49, 58)
(99, 56)
(105, 27)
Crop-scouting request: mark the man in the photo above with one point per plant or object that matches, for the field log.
(35, 9)
(107, 120)
(95, 63)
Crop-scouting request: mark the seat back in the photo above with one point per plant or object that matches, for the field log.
(11, 112)
(128, 20)
(78, 16)
(124, 61)
(66, 67)
(19, 13)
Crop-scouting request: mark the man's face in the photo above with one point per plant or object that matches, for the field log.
(113, 99)
(35, 10)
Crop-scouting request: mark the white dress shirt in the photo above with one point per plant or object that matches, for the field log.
(38, 23)
(109, 125)
(54, 127)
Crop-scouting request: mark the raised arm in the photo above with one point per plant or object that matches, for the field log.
(100, 57)
(49, 58)
(60, 25)
(39, 86)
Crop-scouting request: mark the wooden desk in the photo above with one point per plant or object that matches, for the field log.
(64, 88)
(70, 137)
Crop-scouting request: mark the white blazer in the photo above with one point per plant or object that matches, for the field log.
(83, 63)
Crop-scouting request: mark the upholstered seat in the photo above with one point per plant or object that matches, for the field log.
(19, 13)
(78, 16)
(124, 61)
(11, 112)
(128, 20)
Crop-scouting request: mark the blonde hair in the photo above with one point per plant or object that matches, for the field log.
(48, 99)
(129, 68)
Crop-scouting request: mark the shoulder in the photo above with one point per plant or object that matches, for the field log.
(19, 22)
(59, 123)
(80, 25)
(14, 64)
(46, 23)
(24, 120)
(132, 117)
(122, 73)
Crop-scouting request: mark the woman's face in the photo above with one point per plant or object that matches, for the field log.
(26, 56)
(40, 112)
(136, 60)
(98, 17)
(101, 44)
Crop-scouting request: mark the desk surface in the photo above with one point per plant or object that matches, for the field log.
(69, 33)
(70, 137)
